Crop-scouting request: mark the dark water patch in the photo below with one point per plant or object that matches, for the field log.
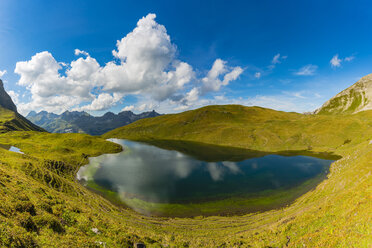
(215, 153)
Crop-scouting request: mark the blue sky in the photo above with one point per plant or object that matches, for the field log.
(286, 55)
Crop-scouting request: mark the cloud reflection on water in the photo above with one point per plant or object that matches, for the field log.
(158, 175)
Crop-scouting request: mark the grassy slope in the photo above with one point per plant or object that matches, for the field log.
(251, 127)
(44, 205)
(59, 126)
(10, 121)
(338, 104)
(350, 100)
(338, 208)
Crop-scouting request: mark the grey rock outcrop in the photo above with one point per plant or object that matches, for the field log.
(6, 100)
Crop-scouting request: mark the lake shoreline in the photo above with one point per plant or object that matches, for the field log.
(257, 202)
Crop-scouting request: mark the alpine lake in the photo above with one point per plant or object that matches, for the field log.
(186, 179)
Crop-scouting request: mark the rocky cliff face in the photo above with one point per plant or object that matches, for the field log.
(356, 98)
(5, 99)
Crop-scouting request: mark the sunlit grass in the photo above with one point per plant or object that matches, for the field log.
(42, 203)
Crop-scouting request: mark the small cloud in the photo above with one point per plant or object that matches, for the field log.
(146, 107)
(335, 61)
(277, 59)
(220, 75)
(2, 73)
(78, 52)
(220, 98)
(350, 58)
(128, 108)
(307, 70)
(295, 94)
(298, 95)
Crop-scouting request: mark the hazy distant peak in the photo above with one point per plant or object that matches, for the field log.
(82, 122)
(32, 113)
(107, 114)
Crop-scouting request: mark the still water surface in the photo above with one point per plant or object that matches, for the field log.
(146, 174)
(11, 148)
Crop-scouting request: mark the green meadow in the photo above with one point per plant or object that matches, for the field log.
(43, 205)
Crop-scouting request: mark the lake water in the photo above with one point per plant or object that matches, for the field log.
(11, 148)
(200, 180)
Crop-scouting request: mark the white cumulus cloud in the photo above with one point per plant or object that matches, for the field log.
(102, 102)
(220, 75)
(144, 64)
(49, 87)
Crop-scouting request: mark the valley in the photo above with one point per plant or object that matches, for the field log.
(44, 205)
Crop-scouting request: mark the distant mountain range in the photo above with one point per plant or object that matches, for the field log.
(82, 122)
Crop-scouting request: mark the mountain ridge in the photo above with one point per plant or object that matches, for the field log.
(354, 99)
(10, 119)
(83, 122)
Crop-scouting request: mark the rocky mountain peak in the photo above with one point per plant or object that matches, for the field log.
(5, 99)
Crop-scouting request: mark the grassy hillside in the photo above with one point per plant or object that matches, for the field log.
(11, 121)
(344, 104)
(42, 204)
(253, 128)
(317, 216)
(354, 99)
